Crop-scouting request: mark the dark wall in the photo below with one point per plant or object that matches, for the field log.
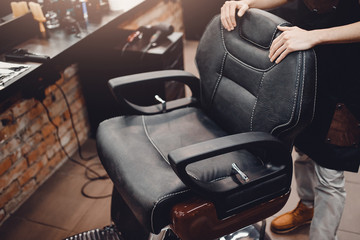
(197, 14)
(5, 8)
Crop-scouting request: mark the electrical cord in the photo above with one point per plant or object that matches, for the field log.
(73, 126)
(62, 146)
(87, 168)
(92, 179)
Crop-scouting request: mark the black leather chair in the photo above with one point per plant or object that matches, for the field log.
(220, 160)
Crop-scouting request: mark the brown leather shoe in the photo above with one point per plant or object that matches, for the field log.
(289, 221)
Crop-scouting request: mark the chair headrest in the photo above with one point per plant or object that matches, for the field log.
(237, 75)
(251, 40)
(266, 27)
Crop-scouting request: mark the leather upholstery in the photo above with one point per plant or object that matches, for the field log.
(149, 185)
(240, 86)
(241, 91)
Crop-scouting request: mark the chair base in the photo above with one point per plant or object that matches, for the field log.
(197, 218)
(111, 233)
(107, 233)
(249, 232)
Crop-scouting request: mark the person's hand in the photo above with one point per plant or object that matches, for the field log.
(290, 40)
(228, 11)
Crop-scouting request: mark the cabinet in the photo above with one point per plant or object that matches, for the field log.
(110, 59)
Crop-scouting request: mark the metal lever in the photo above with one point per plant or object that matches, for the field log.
(163, 103)
(241, 173)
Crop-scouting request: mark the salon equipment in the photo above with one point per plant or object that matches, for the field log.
(177, 168)
(135, 36)
(19, 8)
(124, 58)
(52, 20)
(161, 31)
(39, 17)
(151, 36)
(23, 55)
(71, 26)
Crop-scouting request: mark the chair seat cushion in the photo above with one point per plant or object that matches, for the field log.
(134, 150)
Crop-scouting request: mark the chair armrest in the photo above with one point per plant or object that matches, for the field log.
(117, 85)
(182, 157)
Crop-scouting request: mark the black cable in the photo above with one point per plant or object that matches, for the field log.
(87, 172)
(89, 196)
(73, 126)
(92, 179)
(87, 168)
(59, 139)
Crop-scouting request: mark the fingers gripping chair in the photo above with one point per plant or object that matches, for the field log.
(220, 160)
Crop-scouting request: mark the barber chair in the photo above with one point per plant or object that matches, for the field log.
(219, 161)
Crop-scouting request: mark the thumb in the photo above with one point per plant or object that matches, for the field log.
(242, 10)
(284, 28)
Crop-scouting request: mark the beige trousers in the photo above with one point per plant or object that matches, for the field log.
(324, 189)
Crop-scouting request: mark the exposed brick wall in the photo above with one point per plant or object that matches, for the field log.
(169, 11)
(29, 149)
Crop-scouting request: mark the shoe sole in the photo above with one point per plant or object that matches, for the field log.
(289, 229)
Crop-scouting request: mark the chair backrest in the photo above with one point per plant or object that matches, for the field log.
(242, 90)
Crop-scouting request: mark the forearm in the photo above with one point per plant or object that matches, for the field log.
(265, 4)
(342, 34)
(295, 39)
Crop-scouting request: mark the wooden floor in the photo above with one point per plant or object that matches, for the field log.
(58, 209)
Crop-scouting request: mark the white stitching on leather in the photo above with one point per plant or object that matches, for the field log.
(238, 60)
(313, 115)
(304, 70)
(301, 98)
(248, 66)
(261, 46)
(214, 180)
(302, 90)
(160, 199)
(295, 97)
(193, 176)
(220, 178)
(219, 79)
(152, 142)
(253, 110)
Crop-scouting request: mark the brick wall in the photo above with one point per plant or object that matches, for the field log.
(29, 150)
(168, 11)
